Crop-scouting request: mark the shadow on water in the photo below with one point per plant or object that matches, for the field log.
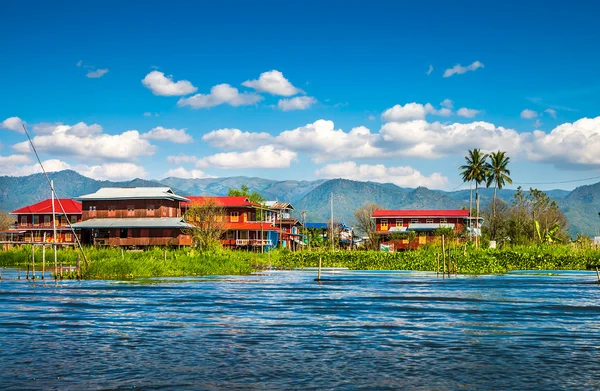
(283, 330)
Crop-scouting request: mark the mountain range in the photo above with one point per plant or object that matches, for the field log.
(580, 206)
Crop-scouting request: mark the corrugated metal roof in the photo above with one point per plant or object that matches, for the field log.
(137, 193)
(230, 201)
(279, 205)
(421, 213)
(45, 207)
(149, 222)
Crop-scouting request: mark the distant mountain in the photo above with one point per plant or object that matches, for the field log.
(581, 206)
(291, 191)
(16, 192)
(349, 195)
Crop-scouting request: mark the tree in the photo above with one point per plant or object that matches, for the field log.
(244, 190)
(498, 173)
(208, 219)
(5, 221)
(476, 170)
(365, 223)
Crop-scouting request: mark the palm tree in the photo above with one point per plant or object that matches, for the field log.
(498, 174)
(475, 169)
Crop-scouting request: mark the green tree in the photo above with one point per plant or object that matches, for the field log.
(475, 170)
(207, 219)
(498, 173)
(244, 190)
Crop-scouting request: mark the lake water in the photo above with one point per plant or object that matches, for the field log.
(285, 331)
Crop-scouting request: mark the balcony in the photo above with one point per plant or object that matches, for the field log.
(253, 242)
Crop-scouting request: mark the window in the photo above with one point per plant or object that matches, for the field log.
(429, 221)
(384, 225)
(112, 211)
(130, 210)
(150, 210)
(414, 221)
(443, 221)
(68, 237)
(46, 221)
(93, 210)
(36, 220)
(235, 217)
(63, 220)
(73, 219)
(23, 220)
(123, 233)
(399, 223)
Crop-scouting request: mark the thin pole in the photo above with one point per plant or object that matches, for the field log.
(319, 273)
(331, 239)
(44, 257)
(33, 261)
(443, 254)
(53, 225)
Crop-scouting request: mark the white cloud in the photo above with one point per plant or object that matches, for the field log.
(220, 94)
(13, 169)
(13, 123)
(177, 136)
(321, 140)
(570, 145)
(181, 172)
(429, 70)
(468, 113)
(79, 63)
(112, 171)
(404, 176)
(528, 114)
(236, 139)
(181, 158)
(266, 156)
(297, 103)
(551, 112)
(97, 73)
(163, 85)
(81, 140)
(274, 83)
(459, 69)
(447, 103)
(537, 123)
(413, 111)
(147, 114)
(14, 159)
(371, 117)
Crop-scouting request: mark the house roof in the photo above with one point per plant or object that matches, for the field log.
(148, 222)
(421, 213)
(224, 201)
(45, 207)
(132, 193)
(279, 205)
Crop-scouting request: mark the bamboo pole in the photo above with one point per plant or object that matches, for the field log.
(61, 270)
(319, 272)
(33, 261)
(43, 260)
(444, 254)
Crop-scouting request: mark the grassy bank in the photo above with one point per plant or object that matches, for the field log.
(111, 263)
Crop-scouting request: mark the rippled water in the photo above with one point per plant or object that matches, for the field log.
(285, 331)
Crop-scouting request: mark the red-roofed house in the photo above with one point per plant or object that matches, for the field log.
(243, 223)
(423, 222)
(34, 222)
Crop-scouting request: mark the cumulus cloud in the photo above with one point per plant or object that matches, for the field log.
(321, 140)
(266, 156)
(181, 158)
(112, 171)
(13, 123)
(220, 94)
(528, 114)
(177, 136)
(181, 172)
(163, 85)
(14, 159)
(468, 113)
(404, 176)
(413, 111)
(551, 112)
(274, 83)
(14, 169)
(297, 103)
(570, 145)
(459, 69)
(81, 140)
(236, 139)
(95, 74)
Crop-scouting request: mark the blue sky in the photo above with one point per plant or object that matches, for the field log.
(527, 82)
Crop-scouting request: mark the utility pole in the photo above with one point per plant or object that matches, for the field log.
(331, 238)
(54, 228)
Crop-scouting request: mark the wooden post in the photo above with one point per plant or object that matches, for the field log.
(44, 257)
(19, 273)
(27, 276)
(319, 272)
(165, 256)
(61, 270)
(33, 262)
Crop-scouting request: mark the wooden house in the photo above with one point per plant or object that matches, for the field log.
(247, 224)
(289, 227)
(34, 222)
(422, 222)
(133, 216)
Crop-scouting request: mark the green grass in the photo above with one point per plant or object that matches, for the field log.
(112, 263)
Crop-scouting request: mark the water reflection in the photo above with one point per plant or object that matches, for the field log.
(367, 330)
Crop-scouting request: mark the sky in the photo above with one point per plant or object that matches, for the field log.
(375, 91)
